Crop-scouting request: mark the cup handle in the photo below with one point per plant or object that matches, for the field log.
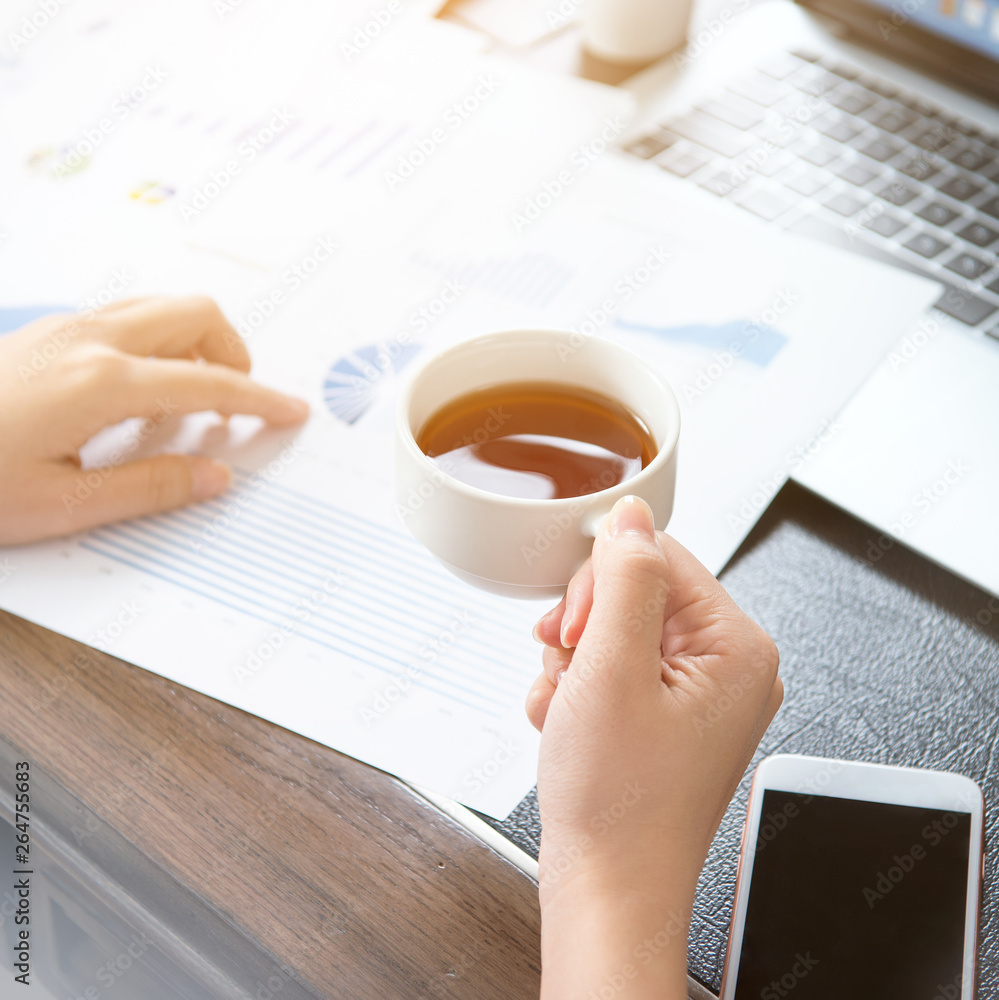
(589, 523)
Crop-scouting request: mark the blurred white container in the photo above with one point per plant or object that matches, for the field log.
(634, 31)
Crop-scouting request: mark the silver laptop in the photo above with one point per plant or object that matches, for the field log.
(873, 126)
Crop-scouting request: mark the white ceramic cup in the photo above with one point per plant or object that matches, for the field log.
(635, 31)
(509, 545)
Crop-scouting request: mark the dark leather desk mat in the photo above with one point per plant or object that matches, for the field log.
(891, 660)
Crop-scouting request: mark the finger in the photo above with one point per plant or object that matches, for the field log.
(147, 486)
(549, 625)
(154, 387)
(631, 584)
(578, 601)
(556, 661)
(539, 699)
(170, 327)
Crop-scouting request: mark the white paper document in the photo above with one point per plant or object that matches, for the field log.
(300, 596)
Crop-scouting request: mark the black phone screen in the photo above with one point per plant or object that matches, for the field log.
(853, 899)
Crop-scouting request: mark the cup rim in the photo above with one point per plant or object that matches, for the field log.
(405, 435)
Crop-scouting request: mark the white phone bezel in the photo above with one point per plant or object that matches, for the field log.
(869, 783)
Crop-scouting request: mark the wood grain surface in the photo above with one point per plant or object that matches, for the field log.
(337, 869)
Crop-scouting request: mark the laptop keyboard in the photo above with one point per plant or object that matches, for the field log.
(825, 150)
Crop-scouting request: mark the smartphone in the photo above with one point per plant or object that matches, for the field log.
(856, 881)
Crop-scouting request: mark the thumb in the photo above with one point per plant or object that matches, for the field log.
(146, 486)
(630, 586)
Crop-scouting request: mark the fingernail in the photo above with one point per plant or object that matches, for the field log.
(537, 628)
(568, 618)
(631, 513)
(208, 477)
(559, 676)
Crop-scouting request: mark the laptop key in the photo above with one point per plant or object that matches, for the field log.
(852, 100)
(837, 129)
(805, 183)
(936, 138)
(768, 205)
(814, 82)
(926, 245)
(886, 224)
(882, 87)
(993, 332)
(723, 183)
(759, 89)
(967, 265)
(881, 149)
(650, 145)
(846, 72)
(682, 162)
(971, 158)
(919, 168)
(843, 204)
(898, 193)
(959, 188)
(819, 155)
(937, 213)
(720, 139)
(991, 207)
(741, 117)
(978, 234)
(964, 306)
(780, 66)
(993, 286)
(893, 120)
(855, 173)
